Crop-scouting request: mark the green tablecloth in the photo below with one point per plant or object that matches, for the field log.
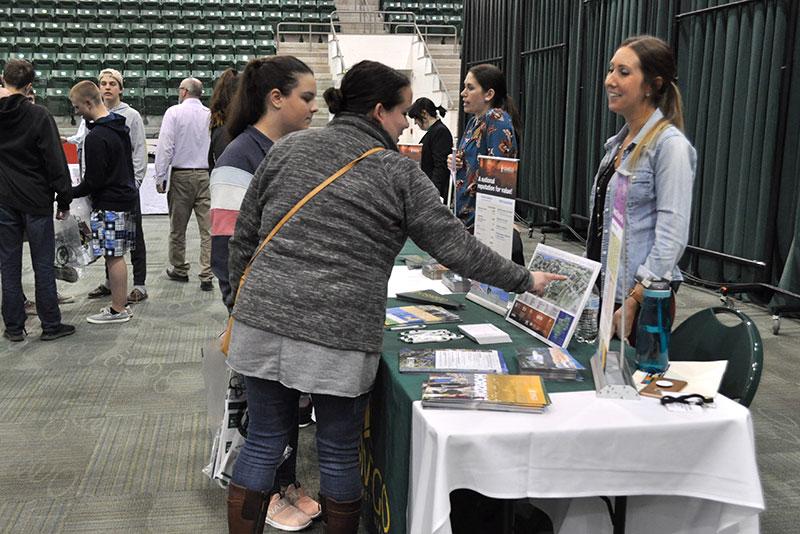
(386, 439)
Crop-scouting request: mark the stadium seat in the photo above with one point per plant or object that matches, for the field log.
(253, 17)
(181, 46)
(205, 76)
(157, 78)
(6, 45)
(264, 31)
(193, 16)
(25, 46)
(290, 6)
(271, 4)
(252, 5)
(224, 61)
(51, 29)
(41, 14)
(223, 31)
(150, 15)
(265, 47)
(171, 15)
(223, 46)
(273, 17)
(159, 45)
(44, 60)
(134, 78)
(86, 15)
(29, 29)
(134, 97)
(107, 16)
(243, 31)
(21, 14)
(176, 76)
(61, 78)
(50, 45)
(157, 62)
(114, 60)
(86, 74)
(155, 101)
(170, 4)
(136, 61)
(64, 15)
(139, 45)
(179, 61)
(119, 30)
(244, 46)
(150, 4)
(139, 30)
(71, 45)
(326, 6)
(8, 28)
(94, 45)
(202, 62)
(212, 17)
(130, 16)
(58, 103)
(91, 61)
(182, 31)
(202, 31)
(201, 46)
(192, 4)
(242, 60)
(117, 45)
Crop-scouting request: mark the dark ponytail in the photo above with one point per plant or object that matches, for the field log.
(490, 77)
(365, 85)
(426, 105)
(260, 76)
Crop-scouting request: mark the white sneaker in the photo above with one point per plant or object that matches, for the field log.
(106, 317)
(127, 309)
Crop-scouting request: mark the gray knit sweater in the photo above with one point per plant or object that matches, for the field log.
(323, 276)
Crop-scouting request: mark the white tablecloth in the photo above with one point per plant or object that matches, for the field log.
(584, 446)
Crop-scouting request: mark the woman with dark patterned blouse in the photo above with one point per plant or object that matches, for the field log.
(491, 131)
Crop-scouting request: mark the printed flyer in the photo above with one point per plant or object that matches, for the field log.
(494, 203)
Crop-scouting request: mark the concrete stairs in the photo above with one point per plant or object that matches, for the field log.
(367, 20)
(315, 55)
(447, 58)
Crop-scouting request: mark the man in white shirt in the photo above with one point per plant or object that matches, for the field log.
(183, 145)
(111, 87)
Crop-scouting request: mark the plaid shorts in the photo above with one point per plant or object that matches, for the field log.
(113, 232)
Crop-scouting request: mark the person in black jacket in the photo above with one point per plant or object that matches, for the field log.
(108, 180)
(33, 171)
(436, 144)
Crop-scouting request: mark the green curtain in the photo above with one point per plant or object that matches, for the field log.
(786, 259)
(739, 73)
(729, 63)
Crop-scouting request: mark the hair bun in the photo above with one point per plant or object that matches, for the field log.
(335, 99)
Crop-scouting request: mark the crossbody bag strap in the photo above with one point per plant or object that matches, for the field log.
(297, 207)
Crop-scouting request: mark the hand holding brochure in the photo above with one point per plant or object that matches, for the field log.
(452, 361)
(553, 316)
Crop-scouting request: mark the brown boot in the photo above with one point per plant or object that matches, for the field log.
(247, 510)
(340, 517)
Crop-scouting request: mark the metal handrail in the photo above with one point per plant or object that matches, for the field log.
(413, 22)
(310, 32)
(431, 34)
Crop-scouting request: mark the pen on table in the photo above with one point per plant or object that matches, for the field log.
(409, 327)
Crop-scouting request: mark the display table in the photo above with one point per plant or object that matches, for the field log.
(584, 446)
(700, 467)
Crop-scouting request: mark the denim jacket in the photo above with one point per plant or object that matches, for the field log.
(658, 206)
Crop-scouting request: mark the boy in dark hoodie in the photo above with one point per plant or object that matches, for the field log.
(33, 171)
(108, 181)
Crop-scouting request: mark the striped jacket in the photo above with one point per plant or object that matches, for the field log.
(231, 177)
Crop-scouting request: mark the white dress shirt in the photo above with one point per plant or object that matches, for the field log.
(184, 138)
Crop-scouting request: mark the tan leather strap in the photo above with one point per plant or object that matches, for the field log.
(297, 207)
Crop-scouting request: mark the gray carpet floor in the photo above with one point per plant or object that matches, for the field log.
(106, 430)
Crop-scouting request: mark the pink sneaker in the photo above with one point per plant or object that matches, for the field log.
(296, 495)
(282, 515)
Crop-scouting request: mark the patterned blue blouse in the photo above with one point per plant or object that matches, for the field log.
(491, 134)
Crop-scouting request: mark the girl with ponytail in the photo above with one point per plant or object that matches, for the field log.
(437, 142)
(641, 86)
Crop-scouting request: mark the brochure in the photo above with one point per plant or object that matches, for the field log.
(452, 360)
(490, 297)
(553, 316)
(551, 363)
(417, 315)
(496, 187)
(506, 393)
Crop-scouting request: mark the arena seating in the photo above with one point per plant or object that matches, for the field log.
(154, 43)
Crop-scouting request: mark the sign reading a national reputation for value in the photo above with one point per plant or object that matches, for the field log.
(496, 189)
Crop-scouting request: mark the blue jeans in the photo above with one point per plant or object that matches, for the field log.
(273, 413)
(41, 242)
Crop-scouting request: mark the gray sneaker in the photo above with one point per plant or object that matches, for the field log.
(106, 317)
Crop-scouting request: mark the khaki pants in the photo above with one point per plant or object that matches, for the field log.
(188, 190)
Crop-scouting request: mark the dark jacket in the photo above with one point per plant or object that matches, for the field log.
(437, 143)
(33, 168)
(220, 139)
(323, 277)
(108, 175)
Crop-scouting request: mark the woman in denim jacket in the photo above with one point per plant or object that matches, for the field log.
(641, 86)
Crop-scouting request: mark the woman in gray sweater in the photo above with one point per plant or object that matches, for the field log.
(310, 314)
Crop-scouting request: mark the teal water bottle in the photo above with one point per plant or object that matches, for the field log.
(652, 331)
